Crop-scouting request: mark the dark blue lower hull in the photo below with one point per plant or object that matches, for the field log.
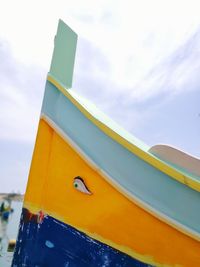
(52, 243)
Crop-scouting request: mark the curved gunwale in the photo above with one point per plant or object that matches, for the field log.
(132, 197)
(174, 173)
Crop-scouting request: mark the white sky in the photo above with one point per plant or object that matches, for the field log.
(141, 59)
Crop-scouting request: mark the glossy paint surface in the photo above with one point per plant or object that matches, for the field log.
(135, 175)
(106, 215)
(55, 244)
(118, 213)
(124, 138)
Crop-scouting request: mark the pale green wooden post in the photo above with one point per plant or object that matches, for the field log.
(62, 64)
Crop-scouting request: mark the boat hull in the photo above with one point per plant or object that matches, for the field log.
(139, 179)
(106, 215)
(95, 195)
(51, 243)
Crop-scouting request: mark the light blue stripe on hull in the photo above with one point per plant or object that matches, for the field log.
(153, 187)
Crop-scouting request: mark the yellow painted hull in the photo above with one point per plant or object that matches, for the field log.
(97, 196)
(106, 215)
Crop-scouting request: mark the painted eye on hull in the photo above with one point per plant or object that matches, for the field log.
(80, 185)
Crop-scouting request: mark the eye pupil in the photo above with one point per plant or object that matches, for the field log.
(80, 185)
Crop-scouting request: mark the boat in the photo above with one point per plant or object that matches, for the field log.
(5, 210)
(96, 195)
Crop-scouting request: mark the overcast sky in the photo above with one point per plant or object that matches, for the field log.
(138, 61)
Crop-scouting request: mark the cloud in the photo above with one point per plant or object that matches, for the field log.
(15, 159)
(92, 79)
(22, 87)
(130, 106)
(176, 74)
(131, 62)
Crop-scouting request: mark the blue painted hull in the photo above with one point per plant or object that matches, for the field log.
(55, 244)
